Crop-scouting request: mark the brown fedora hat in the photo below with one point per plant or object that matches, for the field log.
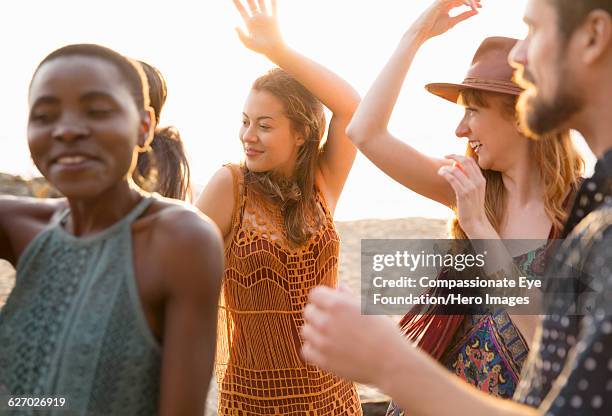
(490, 71)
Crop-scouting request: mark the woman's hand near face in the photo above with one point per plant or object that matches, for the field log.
(466, 179)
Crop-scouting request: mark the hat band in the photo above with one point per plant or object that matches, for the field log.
(491, 83)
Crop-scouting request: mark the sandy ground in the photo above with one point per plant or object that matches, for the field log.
(351, 234)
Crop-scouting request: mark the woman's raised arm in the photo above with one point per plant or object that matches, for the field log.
(368, 129)
(335, 93)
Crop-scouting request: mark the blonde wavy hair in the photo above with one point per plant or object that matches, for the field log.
(560, 166)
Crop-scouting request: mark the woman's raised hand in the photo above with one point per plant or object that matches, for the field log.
(262, 26)
(437, 20)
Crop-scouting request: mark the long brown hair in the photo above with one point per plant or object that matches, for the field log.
(165, 168)
(296, 195)
(559, 163)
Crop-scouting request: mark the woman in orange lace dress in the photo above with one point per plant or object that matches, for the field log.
(275, 212)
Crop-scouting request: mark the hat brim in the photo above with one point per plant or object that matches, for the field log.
(451, 92)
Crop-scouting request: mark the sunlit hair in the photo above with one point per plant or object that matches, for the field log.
(571, 13)
(296, 195)
(560, 167)
(165, 168)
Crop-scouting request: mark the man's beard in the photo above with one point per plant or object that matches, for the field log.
(539, 117)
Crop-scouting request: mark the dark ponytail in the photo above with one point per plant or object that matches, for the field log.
(163, 169)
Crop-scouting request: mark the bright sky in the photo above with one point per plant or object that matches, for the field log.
(209, 73)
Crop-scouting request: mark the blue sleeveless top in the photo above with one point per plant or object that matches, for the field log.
(73, 326)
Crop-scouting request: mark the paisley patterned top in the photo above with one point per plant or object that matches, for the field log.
(488, 350)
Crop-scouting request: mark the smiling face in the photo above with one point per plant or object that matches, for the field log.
(547, 71)
(491, 132)
(83, 125)
(268, 139)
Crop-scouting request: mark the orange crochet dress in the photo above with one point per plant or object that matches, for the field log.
(266, 284)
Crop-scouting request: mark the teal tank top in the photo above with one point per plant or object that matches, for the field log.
(73, 326)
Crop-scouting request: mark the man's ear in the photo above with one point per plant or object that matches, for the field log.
(597, 35)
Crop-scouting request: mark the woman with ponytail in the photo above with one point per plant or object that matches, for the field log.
(507, 186)
(164, 167)
(275, 211)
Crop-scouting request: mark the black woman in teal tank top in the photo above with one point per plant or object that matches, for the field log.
(114, 307)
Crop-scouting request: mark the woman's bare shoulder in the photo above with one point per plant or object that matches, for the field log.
(183, 243)
(219, 198)
(173, 219)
